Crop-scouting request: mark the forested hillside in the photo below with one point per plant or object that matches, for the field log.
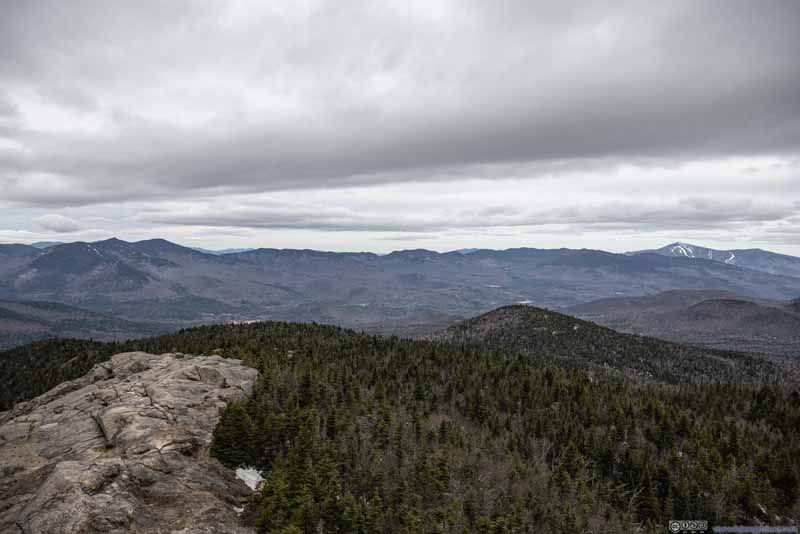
(25, 321)
(30, 370)
(360, 434)
(562, 339)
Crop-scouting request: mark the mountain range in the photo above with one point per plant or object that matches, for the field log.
(752, 258)
(409, 292)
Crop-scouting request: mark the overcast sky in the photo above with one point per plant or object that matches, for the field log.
(377, 125)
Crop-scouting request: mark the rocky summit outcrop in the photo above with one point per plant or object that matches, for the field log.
(124, 449)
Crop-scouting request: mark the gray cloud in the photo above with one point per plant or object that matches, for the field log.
(57, 223)
(683, 214)
(193, 96)
(399, 121)
(7, 109)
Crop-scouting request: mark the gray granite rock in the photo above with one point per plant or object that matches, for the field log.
(124, 449)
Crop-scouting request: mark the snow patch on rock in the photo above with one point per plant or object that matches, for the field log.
(250, 476)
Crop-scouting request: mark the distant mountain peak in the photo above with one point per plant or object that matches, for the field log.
(683, 249)
(159, 240)
(110, 240)
(158, 244)
(414, 253)
(752, 258)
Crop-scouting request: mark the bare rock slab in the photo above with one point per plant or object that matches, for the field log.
(124, 449)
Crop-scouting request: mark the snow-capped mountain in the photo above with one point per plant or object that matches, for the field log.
(754, 258)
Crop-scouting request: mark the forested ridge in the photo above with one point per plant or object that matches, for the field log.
(550, 336)
(30, 370)
(356, 433)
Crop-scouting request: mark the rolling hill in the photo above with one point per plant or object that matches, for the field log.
(26, 321)
(553, 337)
(711, 318)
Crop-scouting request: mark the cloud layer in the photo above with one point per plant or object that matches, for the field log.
(189, 115)
(57, 223)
